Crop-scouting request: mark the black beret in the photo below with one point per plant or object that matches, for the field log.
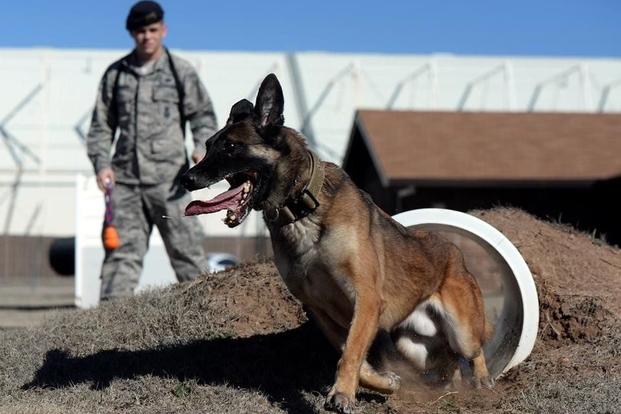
(142, 14)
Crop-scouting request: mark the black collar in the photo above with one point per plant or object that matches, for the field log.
(300, 206)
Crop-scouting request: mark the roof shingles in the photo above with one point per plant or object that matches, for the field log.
(493, 146)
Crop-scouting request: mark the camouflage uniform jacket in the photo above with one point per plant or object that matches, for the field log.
(150, 148)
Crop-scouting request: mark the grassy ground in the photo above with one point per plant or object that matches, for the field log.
(238, 342)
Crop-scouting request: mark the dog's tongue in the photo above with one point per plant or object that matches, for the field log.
(228, 199)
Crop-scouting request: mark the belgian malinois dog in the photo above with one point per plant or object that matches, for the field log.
(350, 263)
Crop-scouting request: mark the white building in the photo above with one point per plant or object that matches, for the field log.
(47, 97)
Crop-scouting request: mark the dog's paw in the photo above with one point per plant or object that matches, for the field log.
(339, 402)
(487, 382)
(394, 381)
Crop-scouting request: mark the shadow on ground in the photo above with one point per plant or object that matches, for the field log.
(280, 365)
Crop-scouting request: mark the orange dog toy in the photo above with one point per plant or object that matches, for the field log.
(109, 235)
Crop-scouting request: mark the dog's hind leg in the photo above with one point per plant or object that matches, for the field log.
(460, 305)
(481, 374)
(464, 341)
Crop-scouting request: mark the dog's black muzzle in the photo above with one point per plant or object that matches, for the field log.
(190, 180)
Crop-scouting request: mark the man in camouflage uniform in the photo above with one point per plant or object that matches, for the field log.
(148, 95)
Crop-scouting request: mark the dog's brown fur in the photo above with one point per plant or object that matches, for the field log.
(350, 263)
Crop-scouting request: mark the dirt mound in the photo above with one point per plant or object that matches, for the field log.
(238, 342)
(250, 300)
(561, 258)
(578, 277)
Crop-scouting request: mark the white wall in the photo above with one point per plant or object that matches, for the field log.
(47, 96)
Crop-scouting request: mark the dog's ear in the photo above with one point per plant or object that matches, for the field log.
(240, 111)
(270, 103)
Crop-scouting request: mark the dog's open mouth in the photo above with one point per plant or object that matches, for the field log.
(237, 200)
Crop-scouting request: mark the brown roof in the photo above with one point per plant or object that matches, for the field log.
(487, 146)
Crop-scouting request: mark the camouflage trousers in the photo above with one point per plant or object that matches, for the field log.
(136, 209)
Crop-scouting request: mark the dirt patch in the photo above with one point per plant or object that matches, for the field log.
(238, 342)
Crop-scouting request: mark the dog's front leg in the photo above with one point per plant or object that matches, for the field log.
(363, 329)
(386, 383)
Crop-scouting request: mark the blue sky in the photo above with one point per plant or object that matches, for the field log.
(526, 27)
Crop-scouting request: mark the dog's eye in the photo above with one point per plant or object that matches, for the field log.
(229, 147)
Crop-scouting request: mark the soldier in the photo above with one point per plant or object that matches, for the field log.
(148, 95)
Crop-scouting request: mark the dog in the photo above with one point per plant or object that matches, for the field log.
(355, 268)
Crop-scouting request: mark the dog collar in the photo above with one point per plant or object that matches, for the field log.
(301, 206)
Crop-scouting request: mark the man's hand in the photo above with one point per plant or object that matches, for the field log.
(197, 155)
(105, 176)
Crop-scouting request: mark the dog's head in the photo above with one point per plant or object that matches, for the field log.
(244, 153)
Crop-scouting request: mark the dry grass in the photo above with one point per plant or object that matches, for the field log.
(238, 342)
(183, 349)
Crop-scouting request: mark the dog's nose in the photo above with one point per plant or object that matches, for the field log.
(188, 180)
